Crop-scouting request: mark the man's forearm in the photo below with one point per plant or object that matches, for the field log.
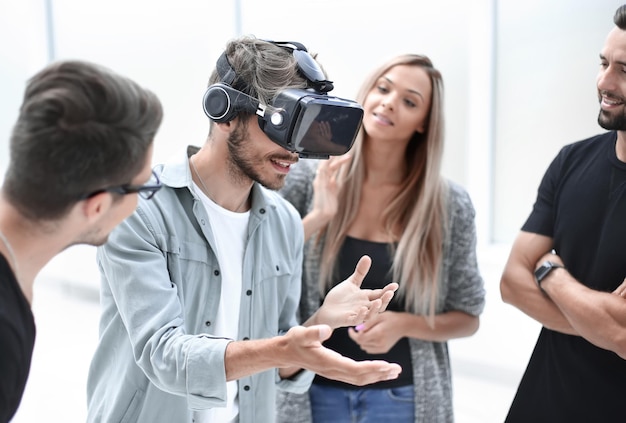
(245, 358)
(302, 348)
(599, 317)
(520, 290)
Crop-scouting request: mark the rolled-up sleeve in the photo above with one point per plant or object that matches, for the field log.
(134, 264)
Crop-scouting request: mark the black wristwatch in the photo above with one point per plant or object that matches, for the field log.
(544, 270)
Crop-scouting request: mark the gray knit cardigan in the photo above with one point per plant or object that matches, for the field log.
(461, 288)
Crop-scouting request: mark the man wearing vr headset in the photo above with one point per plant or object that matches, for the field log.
(200, 287)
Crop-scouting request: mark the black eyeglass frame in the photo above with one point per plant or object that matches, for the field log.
(147, 191)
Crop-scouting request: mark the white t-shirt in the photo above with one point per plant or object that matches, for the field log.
(230, 231)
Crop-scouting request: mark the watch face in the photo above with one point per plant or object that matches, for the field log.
(542, 271)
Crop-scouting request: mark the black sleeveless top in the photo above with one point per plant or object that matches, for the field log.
(378, 276)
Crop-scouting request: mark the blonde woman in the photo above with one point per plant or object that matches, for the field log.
(388, 199)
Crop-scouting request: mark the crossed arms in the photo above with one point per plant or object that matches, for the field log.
(565, 305)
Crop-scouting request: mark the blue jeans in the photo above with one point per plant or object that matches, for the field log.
(338, 405)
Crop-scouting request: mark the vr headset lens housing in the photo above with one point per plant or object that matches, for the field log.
(312, 125)
(308, 122)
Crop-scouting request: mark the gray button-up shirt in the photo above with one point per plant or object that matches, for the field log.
(156, 359)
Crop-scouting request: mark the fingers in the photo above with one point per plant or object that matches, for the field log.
(376, 307)
(366, 372)
(385, 300)
(321, 169)
(385, 295)
(367, 342)
(330, 167)
(358, 328)
(308, 352)
(354, 333)
(393, 287)
(362, 267)
(621, 290)
(551, 256)
(389, 288)
(387, 291)
(359, 317)
(359, 337)
(323, 332)
(335, 163)
(367, 313)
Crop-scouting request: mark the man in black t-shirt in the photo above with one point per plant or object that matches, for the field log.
(83, 140)
(567, 267)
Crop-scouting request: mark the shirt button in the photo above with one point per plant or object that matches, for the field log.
(216, 272)
(277, 268)
(207, 323)
(262, 211)
(245, 338)
(246, 388)
(249, 292)
(202, 221)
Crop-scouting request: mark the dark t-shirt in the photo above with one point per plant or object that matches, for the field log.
(581, 204)
(378, 276)
(17, 340)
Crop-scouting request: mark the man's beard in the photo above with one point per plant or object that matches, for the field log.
(612, 122)
(243, 161)
(607, 120)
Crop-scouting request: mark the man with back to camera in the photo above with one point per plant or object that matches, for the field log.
(81, 150)
(577, 371)
(200, 287)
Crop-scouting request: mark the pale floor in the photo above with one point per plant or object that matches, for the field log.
(486, 367)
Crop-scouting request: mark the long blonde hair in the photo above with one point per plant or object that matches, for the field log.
(419, 209)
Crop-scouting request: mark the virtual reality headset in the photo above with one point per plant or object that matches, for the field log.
(305, 121)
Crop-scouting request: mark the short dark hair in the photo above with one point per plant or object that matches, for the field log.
(620, 17)
(81, 127)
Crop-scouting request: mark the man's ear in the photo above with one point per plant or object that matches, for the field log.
(226, 126)
(94, 207)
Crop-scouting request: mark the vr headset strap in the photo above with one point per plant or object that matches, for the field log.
(294, 45)
(225, 70)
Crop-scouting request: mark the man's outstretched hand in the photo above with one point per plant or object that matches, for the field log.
(302, 348)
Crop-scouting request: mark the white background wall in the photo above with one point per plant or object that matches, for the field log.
(547, 60)
(519, 76)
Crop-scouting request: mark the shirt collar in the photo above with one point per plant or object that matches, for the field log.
(176, 173)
